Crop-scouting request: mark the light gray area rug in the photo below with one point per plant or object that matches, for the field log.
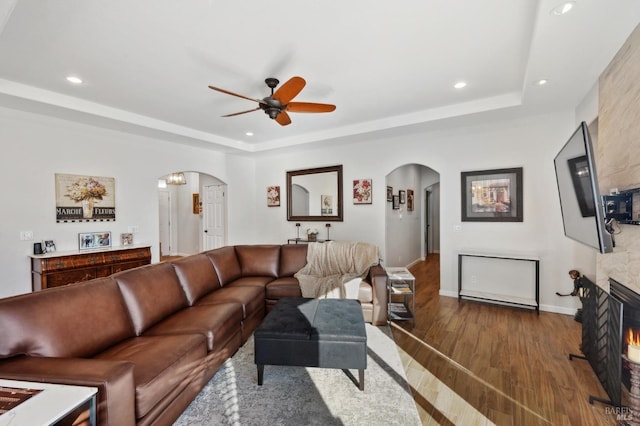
(307, 396)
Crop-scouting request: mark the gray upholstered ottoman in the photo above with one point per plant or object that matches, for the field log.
(325, 333)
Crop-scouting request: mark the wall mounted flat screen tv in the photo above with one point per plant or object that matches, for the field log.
(580, 200)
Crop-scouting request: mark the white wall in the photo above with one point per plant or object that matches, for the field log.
(36, 147)
(531, 143)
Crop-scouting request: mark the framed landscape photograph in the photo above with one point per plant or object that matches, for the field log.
(492, 195)
(94, 240)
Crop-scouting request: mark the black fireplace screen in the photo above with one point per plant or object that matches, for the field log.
(602, 338)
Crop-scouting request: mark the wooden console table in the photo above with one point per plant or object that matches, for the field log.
(61, 268)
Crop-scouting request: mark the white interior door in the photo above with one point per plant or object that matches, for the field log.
(213, 210)
(164, 204)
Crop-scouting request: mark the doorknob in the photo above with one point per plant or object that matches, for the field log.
(206, 230)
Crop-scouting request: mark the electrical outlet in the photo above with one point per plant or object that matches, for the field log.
(26, 235)
(457, 228)
(133, 229)
(474, 279)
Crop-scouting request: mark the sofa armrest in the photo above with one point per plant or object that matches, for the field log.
(114, 380)
(378, 279)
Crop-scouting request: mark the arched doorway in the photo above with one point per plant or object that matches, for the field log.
(192, 214)
(412, 219)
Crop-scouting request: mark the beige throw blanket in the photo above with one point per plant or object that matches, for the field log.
(335, 269)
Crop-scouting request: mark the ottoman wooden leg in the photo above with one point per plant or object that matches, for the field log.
(260, 374)
(361, 379)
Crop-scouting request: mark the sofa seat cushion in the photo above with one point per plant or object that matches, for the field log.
(162, 363)
(218, 323)
(283, 287)
(254, 281)
(365, 292)
(251, 298)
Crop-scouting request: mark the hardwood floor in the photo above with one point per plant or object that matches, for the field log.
(472, 363)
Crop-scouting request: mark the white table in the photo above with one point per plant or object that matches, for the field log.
(49, 406)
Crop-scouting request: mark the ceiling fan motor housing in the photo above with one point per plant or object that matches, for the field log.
(272, 107)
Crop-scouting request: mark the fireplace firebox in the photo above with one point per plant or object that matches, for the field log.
(630, 326)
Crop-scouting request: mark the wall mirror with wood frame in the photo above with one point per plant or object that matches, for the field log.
(315, 194)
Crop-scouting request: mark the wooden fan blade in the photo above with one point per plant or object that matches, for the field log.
(289, 90)
(260, 101)
(283, 118)
(241, 112)
(309, 107)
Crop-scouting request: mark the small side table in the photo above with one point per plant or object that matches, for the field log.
(401, 284)
(49, 406)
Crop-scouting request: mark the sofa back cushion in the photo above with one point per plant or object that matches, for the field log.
(293, 257)
(197, 276)
(151, 294)
(77, 320)
(259, 260)
(226, 264)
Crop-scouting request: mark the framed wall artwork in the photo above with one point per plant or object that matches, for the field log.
(273, 196)
(49, 246)
(410, 200)
(85, 198)
(126, 239)
(196, 206)
(94, 240)
(395, 204)
(403, 196)
(389, 193)
(326, 205)
(492, 195)
(362, 191)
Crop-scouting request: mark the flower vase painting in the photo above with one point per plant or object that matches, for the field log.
(362, 191)
(85, 198)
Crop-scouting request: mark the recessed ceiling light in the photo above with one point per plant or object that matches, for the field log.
(249, 133)
(542, 82)
(563, 8)
(73, 79)
(460, 85)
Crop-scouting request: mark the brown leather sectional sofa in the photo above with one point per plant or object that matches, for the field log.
(150, 338)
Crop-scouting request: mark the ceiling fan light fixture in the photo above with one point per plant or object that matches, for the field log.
(272, 112)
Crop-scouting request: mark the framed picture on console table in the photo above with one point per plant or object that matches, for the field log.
(492, 195)
(94, 240)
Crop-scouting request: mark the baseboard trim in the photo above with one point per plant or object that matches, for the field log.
(545, 308)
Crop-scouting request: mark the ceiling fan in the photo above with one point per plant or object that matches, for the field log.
(277, 105)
